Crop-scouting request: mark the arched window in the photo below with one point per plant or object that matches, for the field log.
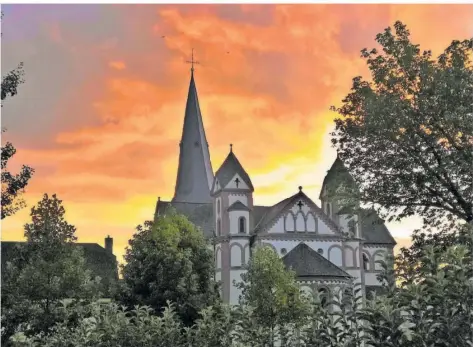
(219, 227)
(328, 209)
(366, 262)
(242, 225)
(323, 296)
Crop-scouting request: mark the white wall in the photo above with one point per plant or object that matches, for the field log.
(323, 228)
(351, 256)
(234, 216)
(376, 253)
(239, 250)
(335, 252)
(277, 228)
(234, 291)
(371, 280)
(232, 198)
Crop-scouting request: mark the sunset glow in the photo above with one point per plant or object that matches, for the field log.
(100, 114)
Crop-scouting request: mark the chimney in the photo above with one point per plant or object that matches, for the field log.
(109, 244)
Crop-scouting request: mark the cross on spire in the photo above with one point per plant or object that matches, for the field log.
(237, 181)
(300, 204)
(192, 61)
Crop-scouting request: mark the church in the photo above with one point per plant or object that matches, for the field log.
(326, 247)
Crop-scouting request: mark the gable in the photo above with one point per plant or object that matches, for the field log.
(231, 167)
(236, 182)
(297, 214)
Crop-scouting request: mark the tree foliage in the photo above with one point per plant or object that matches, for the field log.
(272, 293)
(11, 81)
(169, 260)
(436, 309)
(407, 135)
(45, 270)
(12, 185)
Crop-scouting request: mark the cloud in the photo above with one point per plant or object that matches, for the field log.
(100, 115)
(117, 65)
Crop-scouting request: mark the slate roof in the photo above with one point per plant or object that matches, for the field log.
(98, 260)
(336, 174)
(229, 168)
(194, 173)
(374, 230)
(238, 206)
(200, 214)
(306, 262)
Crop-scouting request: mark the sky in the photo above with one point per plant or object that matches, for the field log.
(100, 114)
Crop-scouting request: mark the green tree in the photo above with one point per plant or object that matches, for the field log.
(109, 325)
(407, 135)
(45, 270)
(272, 293)
(12, 185)
(169, 260)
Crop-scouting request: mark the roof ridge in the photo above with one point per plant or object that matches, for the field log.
(186, 202)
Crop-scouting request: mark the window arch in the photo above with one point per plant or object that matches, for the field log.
(366, 262)
(242, 225)
(328, 209)
(219, 227)
(323, 296)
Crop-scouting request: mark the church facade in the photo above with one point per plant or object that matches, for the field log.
(326, 247)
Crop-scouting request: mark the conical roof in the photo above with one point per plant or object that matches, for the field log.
(229, 168)
(194, 174)
(336, 175)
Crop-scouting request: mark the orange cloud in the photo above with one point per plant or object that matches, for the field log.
(117, 65)
(267, 77)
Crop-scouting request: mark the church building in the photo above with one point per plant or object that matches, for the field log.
(326, 247)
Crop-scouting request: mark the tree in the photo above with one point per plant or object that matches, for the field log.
(12, 185)
(435, 310)
(169, 260)
(272, 293)
(11, 81)
(45, 270)
(407, 135)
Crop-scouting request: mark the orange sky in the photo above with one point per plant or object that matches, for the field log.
(101, 112)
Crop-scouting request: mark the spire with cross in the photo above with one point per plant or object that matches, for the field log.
(192, 61)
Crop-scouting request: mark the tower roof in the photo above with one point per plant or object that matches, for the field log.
(194, 174)
(336, 175)
(230, 167)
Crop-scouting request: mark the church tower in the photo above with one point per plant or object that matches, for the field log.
(347, 218)
(232, 193)
(194, 173)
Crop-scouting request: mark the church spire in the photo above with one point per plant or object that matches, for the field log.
(194, 174)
